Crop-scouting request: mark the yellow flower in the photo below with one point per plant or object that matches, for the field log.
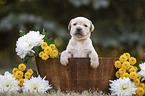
(123, 58)
(117, 74)
(13, 76)
(30, 71)
(132, 70)
(45, 56)
(140, 91)
(19, 74)
(28, 75)
(138, 76)
(137, 82)
(52, 46)
(130, 67)
(21, 82)
(121, 77)
(15, 70)
(126, 75)
(41, 53)
(126, 65)
(135, 68)
(121, 71)
(133, 75)
(54, 53)
(141, 85)
(44, 45)
(48, 50)
(127, 54)
(117, 64)
(132, 60)
(22, 67)
(144, 90)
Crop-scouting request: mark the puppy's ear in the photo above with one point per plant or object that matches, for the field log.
(69, 25)
(92, 27)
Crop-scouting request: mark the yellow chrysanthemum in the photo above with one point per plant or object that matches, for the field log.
(127, 54)
(48, 50)
(141, 85)
(126, 75)
(133, 75)
(52, 46)
(135, 68)
(30, 71)
(117, 74)
(19, 74)
(21, 82)
(117, 64)
(41, 53)
(140, 91)
(121, 77)
(54, 53)
(121, 71)
(45, 56)
(22, 67)
(132, 70)
(123, 58)
(126, 65)
(130, 67)
(27, 75)
(138, 76)
(15, 70)
(132, 60)
(14, 77)
(137, 82)
(44, 45)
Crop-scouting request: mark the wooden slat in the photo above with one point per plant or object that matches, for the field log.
(77, 75)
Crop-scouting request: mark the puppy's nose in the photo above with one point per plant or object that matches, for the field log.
(79, 29)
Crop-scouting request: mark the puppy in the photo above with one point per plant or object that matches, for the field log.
(80, 44)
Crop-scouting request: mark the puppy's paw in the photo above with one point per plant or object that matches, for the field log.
(64, 61)
(94, 63)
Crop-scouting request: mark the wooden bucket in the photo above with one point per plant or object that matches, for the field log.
(77, 76)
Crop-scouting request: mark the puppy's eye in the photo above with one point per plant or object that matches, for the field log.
(86, 25)
(75, 24)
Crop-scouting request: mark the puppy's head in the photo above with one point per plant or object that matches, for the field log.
(80, 28)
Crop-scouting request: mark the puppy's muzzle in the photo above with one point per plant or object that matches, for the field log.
(78, 31)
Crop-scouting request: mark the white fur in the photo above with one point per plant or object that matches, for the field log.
(80, 45)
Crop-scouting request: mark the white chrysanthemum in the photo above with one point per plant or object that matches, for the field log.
(25, 43)
(34, 38)
(142, 72)
(36, 84)
(122, 87)
(8, 84)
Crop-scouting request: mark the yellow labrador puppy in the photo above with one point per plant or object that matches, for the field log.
(80, 44)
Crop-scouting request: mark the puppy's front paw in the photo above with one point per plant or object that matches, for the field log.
(64, 61)
(94, 63)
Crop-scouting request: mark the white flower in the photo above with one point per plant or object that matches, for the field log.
(142, 72)
(36, 84)
(25, 43)
(8, 84)
(122, 87)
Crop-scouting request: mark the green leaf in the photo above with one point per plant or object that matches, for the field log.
(35, 73)
(28, 57)
(22, 33)
(37, 49)
(46, 39)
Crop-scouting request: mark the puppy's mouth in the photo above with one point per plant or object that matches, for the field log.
(79, 31)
